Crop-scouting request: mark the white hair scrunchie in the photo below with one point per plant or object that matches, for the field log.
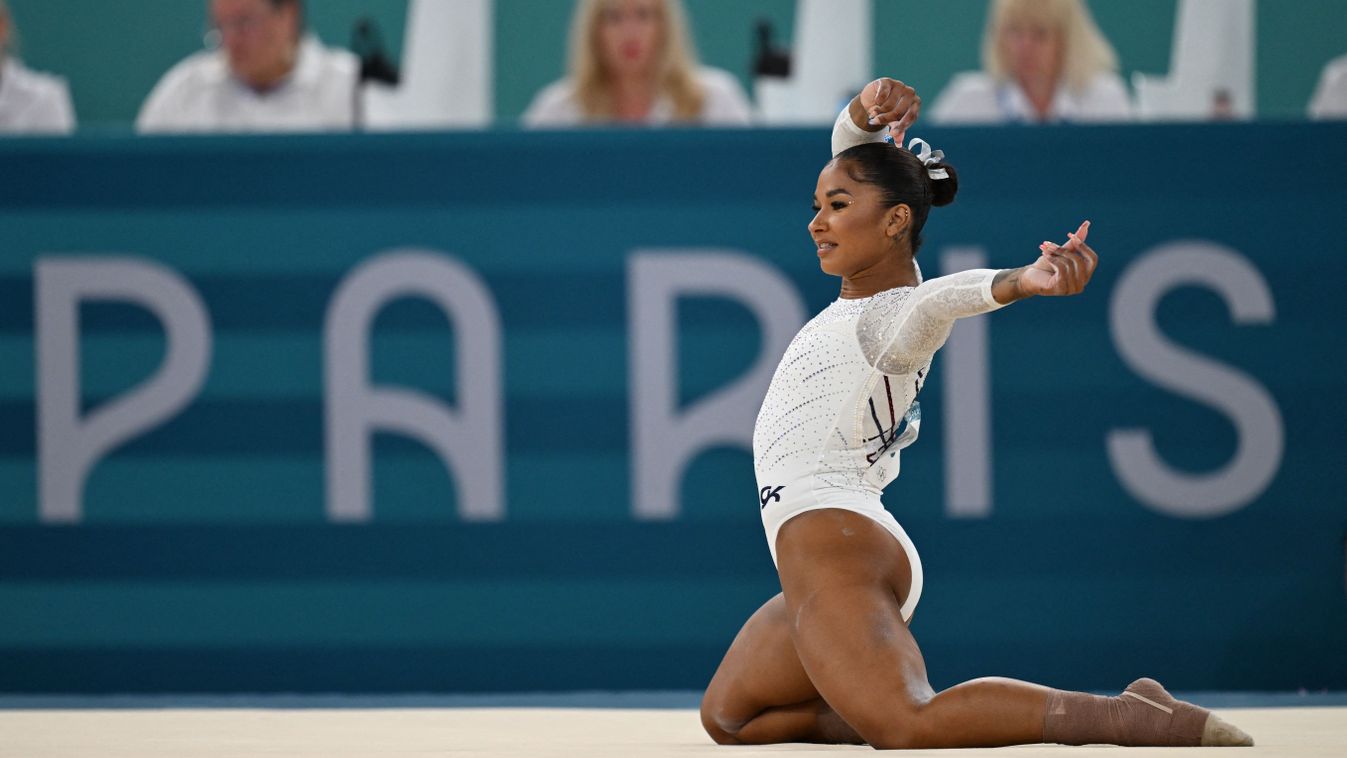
(927, 156)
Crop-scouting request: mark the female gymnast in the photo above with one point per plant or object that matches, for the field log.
(831, 658)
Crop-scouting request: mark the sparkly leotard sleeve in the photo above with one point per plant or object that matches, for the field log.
(842, 401)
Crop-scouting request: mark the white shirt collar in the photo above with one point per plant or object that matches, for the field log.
(306, 71)
(1015, 106)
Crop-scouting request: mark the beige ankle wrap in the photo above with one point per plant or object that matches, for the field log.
(1143, 715)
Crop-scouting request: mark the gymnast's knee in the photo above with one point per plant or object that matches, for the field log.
(903, 728)
(722, 729)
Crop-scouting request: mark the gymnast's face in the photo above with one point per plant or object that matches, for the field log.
(852, 228)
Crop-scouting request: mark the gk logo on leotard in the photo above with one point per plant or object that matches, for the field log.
(768, 494)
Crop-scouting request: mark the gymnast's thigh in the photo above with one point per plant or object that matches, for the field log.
(845, 578)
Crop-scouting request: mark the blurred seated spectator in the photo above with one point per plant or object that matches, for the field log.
(30, 101)
(1330, 97)
(1043, 61)
(632, 61)
(266, 75)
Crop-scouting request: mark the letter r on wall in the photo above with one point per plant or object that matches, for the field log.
(664, 437)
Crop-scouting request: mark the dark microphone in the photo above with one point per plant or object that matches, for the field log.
(770, 60)
(368, 44)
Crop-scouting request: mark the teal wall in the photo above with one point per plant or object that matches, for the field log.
(114, 52)
(205, 560)
(1295, 40)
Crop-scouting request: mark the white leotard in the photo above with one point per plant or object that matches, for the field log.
(830, 429)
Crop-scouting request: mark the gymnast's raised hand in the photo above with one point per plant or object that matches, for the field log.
(887, 103)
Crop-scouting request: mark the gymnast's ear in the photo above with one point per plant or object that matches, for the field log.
(899, 220)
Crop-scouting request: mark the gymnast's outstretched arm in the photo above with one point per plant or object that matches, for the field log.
(922, 325)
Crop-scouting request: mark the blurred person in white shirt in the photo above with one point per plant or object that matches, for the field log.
(1330, 96)
(31, 102)
(632, 62)
(266, 75)
(1043, 61)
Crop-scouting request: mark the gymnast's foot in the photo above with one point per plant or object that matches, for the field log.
(1161, 719)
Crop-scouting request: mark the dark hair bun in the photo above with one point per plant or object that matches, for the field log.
(944, 190)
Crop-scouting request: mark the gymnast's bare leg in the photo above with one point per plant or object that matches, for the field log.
(831, 660)
(761, 693)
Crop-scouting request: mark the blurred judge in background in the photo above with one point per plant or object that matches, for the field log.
(1330, 96)
(266, 74)
(1042, 61)
(31, 102)
(633, 62)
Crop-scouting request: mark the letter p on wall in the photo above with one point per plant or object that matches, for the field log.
(70, 445)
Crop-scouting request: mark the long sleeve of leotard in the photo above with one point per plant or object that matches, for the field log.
(846, 134)
(902, 338)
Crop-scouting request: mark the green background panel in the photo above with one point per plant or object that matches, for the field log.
(113, 53)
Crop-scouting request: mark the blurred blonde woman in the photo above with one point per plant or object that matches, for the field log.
(31, 102)
(632, 62)
(1043, 61)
